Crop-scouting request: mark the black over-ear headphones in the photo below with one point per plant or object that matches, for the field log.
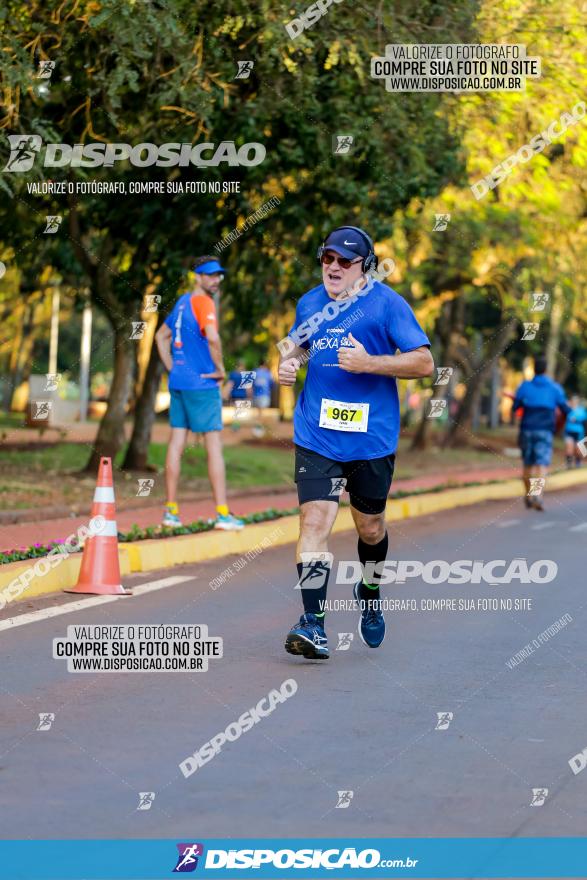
(371, 261)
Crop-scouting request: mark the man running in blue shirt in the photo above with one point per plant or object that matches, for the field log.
(262, 385)
(189, 346)
(575, 431)
(540, 397)
(237, 385)
(346, 422)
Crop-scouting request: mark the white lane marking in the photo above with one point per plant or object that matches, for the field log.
(580, 528)
(151, 586)
(57, 611)
(507, 523)
(543, 525)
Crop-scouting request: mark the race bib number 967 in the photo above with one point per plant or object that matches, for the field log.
(340, 416)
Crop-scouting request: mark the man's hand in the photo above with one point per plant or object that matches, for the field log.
(288, 370)
(217, 374)
(354, 360)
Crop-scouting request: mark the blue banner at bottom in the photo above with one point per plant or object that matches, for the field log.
(554, 857)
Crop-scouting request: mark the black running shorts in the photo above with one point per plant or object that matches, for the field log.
(323, 479)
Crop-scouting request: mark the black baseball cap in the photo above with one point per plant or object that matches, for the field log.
(348, 243)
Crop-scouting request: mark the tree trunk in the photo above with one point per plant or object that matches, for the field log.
(15, 363)
(111, 436)
(460, 431)
(554, 336)
(420, 439)
(138, 448)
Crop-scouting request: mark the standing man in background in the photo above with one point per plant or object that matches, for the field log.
(540, 399)
(190, 348)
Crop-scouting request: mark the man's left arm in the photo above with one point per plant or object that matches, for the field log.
(415, 364)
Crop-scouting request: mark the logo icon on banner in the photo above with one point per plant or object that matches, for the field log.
(188, 857)
(23, 150)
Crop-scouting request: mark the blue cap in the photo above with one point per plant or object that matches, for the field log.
(209, 268)
(347, 243)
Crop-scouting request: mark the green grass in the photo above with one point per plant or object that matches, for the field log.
(11, 420)
(246, 466)
(62, 457)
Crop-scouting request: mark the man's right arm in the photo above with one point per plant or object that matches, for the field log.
(518, 402)
(215, 347)
(162, 339)
(289, 365)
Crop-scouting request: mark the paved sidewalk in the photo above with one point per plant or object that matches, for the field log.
(18, 535)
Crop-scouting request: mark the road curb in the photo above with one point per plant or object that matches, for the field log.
(158, 553)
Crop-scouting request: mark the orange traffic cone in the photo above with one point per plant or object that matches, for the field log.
(100, 570)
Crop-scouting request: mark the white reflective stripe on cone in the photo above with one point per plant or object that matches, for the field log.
(104, 493)
(109, 531)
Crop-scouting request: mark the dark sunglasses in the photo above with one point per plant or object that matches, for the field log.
(328, 259)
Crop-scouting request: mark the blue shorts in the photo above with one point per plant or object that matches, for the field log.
(536, 447)
(200, 411)
(262, 401)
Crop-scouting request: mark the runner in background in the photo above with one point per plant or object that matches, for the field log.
(237, 385)
(262, 385)
(575, 431)
(189, 346)
(540, 398)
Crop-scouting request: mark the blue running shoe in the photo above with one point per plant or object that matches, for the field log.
(308, 638)
(171, 519)
(228, 523)
(371, 623)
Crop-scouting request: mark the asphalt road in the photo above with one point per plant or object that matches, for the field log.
(363, 722)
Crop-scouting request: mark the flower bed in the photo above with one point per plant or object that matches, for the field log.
(136, 533)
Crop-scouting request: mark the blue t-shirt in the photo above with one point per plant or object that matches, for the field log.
(540, 397)
(262, 382)
(383, 322)
(575, 425)
(189, 346)
(239, 384)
